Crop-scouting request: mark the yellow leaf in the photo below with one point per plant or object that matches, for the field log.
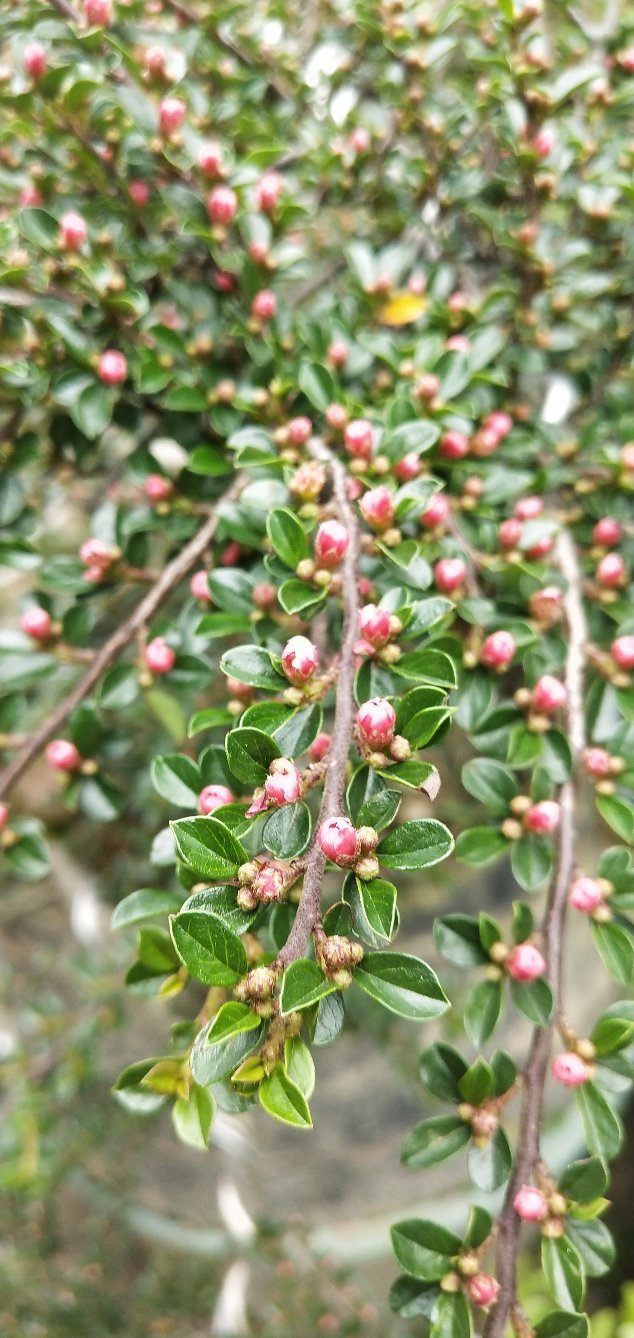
(402, 309)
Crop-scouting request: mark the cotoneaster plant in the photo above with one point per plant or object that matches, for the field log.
(318, 453)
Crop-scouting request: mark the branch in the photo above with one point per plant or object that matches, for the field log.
(552, 929)
(170, 577)
(309, 909)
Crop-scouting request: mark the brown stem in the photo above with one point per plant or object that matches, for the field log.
(309, 909)
(534, 1076)
(170, 577)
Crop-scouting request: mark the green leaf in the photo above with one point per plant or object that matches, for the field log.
(491, 783)
(563, 1272)
(482, 1009)
(210, 951)
(424, 1249)
(562, 1324)
(490, 1166)
(92, 410)
(177, 779)
(287, 535)
(441, 1069)
(144, 904)
(317, 384)
(287, 832)
(415, 775)
(207, 848)
(214, 625)
(405, 985)
(214, 1060)
(478, 1083)
(616, 949)
(232, 1019)
(534, 1000)
(297, 597)
(410, 1298)
(479, 1228)
(428, 666)
(531, 861)
(435, 1140)
(451, 1316)
(299, 1065)
(282, 1099)
(252, 665)
(221, 902)
(480, 845)
(378, 811)
(457, 938)
(584, 1180)
(618, 814)
(416, 844)
(250, 753)
(328, 1020)
(297, 731)
(303, 984)
(213, 717)
(192, 1119)
(373, 906)
(602, 1126)
(594, 1244)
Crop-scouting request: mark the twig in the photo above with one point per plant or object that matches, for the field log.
(309, 909)
(170, 577)
(552, 930)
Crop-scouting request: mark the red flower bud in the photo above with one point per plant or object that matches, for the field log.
(449, 574)
(113, 367)
(157, 488)
(525, 962)
(36, 622)
(222, 204)
(331, 542)
(498, 650)
(283, 784)
(339, 841)
(268, 192)
(159, 657)
(98, 11)
(299, 430)
(528, 508)
(264, 305)
(35, 60)
(172, 112)
(549, 694)
(597, 762)
(377, 507)
(408, 468)
(543, 817)
(611, 571)
(199, 586)
(570, 1069)
(374, 624)
(530, 1204)
(585, 894)
(63, 755)
(622, 652)
(210, 160)
(482, 1290)
(454, 445)
(319, 747)
(358, 438)
(510, 532)
(436, 513)
(607, 531)
(73, 231)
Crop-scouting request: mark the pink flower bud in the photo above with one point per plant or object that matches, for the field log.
(36, 622)
(222, 204)
(30, 196)
(63, 755)
(457, 301)
(449, 574)
(498, 650)
(543, 817)
(155, 61)
(98, 11)
(199, 586)
(157, 488)
(299, 430)
(73, 231)
(436, 513)
(299, 659)
(548, 694)
(95, 553)
(159, 657)
(543, 143)
(360, 140)
(358, 438)
(331, 542)
(375, 721)
(374, 624)
(427, 386)
(546, 604)
(113, 367)
(283, 785)
(530, 1204)
(377, 507)
(596, 762)
(231, 554)
(611, 571)
(626, 59)
(339, 841)
(454, 445)
(139, 192)
(570, 1069)
(172, 112)
(510, 532)
(585, 894)
(622, 652)
(525, 962)
(264, 595)
(210, 160)
(319, 747)
(264, 305)
(408, 468)
(458, 343)
(354, 488)
(626, 455)
(485, 442)
(213, 797)
(482, 1290)
(338, 353)
(528, 508)
(308, 481)
(35, 60)
(541, 548)
(500, 423)
(336, 416)
(268, 192)
(4, 815)
(607, 531)
(268, 883)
